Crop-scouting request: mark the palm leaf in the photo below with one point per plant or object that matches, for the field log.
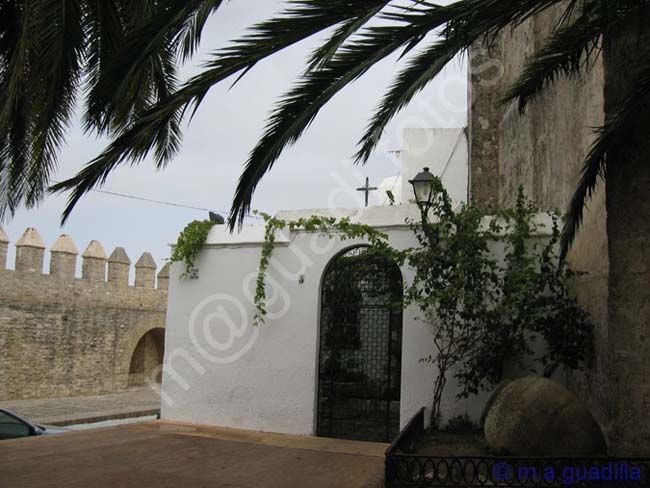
(298, 108)
(564, 54)
(348, 54)
(105, 37)
(324, 53)
(15, 102)
(59, 61)
(570, 48)
(303, 19)
(192, 30)
(126, 84)
(459, 34)
(420, 71)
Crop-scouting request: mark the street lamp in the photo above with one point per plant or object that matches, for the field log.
(423, 189)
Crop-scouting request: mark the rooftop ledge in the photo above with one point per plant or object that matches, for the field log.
(379, 217)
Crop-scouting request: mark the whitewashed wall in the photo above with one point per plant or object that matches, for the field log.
(220, 370)
(444, 151)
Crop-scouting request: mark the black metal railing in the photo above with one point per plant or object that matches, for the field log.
(409, 436)
(405, 469)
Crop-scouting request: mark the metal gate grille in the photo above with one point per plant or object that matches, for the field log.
(360, 348)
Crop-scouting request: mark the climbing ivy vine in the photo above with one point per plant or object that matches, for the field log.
(190, 242)
(344, 229)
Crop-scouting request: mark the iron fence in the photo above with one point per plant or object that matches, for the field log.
(409, 436)
(405, 469)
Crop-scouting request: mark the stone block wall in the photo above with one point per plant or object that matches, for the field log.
(543, 150)
(66, 336)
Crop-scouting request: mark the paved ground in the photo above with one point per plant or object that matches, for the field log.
(160, 455)
(65, 411)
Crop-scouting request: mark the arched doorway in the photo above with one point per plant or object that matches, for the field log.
(147, 357)
(360, 347)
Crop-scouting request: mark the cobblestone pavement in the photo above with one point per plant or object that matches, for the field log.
(161, 455)
(66, 411)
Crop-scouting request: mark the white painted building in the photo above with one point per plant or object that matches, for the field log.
(221, 370)
(444, 151)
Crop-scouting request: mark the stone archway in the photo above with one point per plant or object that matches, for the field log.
(146, 358)
(359, 378)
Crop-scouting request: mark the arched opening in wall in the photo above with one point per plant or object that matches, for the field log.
(359, 364)
(147, 357)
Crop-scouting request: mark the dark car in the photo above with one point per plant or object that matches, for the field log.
(12, 426)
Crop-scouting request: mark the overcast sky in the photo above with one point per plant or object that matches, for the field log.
(312, 174)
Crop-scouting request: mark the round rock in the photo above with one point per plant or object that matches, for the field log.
(535, 416)
(488, 405)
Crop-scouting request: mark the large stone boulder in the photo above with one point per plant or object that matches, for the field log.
(535, 416)
(488, 405)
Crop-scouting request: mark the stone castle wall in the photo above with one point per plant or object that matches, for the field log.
(543, 150)
(65, 336)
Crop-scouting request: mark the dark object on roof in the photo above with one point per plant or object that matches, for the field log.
(216, 218)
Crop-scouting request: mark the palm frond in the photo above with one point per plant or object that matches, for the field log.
(156, 130)
(15, 102)
(15, 160)
(302, 19)
(352, 49)
(419, 72)
(367, 11)
(564, 54)
(486, 18)
(59, 61)
(18, 61)
(9, 32)
(105, 36)
(570, 48)
(150, 129)
(595, 166)
(124, 84)
(298, 108)
(193, 29)
(461, 30)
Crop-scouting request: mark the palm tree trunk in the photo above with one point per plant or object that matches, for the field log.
(628, 232)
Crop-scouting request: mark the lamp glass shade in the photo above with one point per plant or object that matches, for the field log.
(422, 190)
(422, 187)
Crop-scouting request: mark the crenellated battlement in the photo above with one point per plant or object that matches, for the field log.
(96, 267)
(86, 333)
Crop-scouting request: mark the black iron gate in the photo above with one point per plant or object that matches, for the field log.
(360, 347)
